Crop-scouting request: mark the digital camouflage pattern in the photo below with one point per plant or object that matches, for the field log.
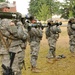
(52, 35)
(71, 33)
(35, 37)
(4, 55)
(16, 37)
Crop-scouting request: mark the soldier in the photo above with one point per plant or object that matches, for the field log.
(21, 54)
(71, 33)
(52, 34)
(15, 36)
(35, 35)
(4, 54)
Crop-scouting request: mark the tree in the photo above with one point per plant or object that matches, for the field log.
(36, 8)
(33, 7)
(2, 0)
(43, 13)
(69, 5)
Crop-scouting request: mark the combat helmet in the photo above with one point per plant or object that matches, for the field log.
(29, 16)
(49, 22)
(71, 19)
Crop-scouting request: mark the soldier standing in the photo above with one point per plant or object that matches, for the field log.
(52, 34)
(71, 33)
(35, 35)
(21, 55)
(4, 54)
(15, 36)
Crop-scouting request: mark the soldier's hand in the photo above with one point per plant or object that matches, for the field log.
(12, 23)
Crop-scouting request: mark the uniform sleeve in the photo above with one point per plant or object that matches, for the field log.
(40, 33)
(4, 32)
(7, 34)
(47, 32)
(26, 36)
(33, 31)
(22, 33)
(69, 30)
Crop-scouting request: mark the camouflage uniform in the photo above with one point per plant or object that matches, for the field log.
(71, 33)
(17, 36)
(23, 47)
(4, 55)
(52, 34)
(35, 37)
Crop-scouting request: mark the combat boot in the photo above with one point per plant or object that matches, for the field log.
(35, 70)
(53, 60)
(73, 54)
(50, 61)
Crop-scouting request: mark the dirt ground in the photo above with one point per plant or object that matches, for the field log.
(65, 66)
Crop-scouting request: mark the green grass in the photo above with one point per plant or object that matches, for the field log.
(64, 66)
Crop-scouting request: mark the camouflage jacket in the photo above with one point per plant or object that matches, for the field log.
(52, 31)
(13, 34)
(70, 30)
(35, 34)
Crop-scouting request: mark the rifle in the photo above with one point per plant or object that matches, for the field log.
(18, 17)
(36, 25)
(42, 26)
(8, 70)
(14, 16)
(10, 15)
(56, 23)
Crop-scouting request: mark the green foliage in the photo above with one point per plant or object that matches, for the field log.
(74, 11)
(70, 14)
(2, 0)
(43, 9)
(34, 6)
(43, 13)
(70, 6)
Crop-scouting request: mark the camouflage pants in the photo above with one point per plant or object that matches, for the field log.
(4, 59)
(16, 65)
(52, 47)
(21, 56)
(34, 52)
(72, 44)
